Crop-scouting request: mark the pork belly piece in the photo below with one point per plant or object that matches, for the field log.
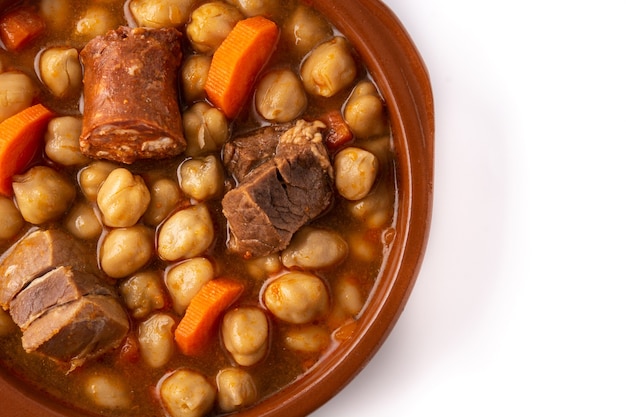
(74, 332)
(59, 286)
(131, 95)
(38, 253)
(281, 195)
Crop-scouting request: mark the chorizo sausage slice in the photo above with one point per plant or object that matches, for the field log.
(131, 95)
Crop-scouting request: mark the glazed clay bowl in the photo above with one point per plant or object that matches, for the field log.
(403, 80)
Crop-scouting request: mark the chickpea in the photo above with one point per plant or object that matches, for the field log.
(185, 279)
(280, 96)
(91, 178)
(364, 88)
(83, 222)
(329, 68)
(187, 393)
(124, 251)
(245, 332)
(123, 198)
(194, 74)
(365, 112)
(62, 141)
(17, 92)
(55, 13)
(376, 209)
(379, 146)
(95, 21)
(313, 248)
(297, 297)
(186, 234)
(11, 221)
(161, 13)
(305, 28)
(348, 296)
(43, 194)
(202, 179)
(355, 172)
(263, 266)
(143, 293)
(206, 129)
(164, 196)
(361, 248)
(156, 340)
(7, 325)
(256, 7)
(310, 339)
(210, 24)
(108, 389)
(235, 389)
(61, 71)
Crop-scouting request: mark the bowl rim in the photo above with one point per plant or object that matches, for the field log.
(374, 30)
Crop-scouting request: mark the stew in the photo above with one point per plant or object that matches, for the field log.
(203, 198)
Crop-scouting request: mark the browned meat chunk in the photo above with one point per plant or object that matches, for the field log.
(243, 154)
(36, 254)
(79, 330)
(281, 195)
(59, 286)
(131, 96)
(63, 309)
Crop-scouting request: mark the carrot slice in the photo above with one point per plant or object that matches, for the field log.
(20, 26)
(20, 138)
(238, 61)
(194, 330)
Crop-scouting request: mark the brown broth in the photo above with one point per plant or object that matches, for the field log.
(281, 366)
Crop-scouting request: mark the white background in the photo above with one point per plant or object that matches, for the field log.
(520, 306)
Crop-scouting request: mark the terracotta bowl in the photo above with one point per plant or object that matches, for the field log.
(402, 77)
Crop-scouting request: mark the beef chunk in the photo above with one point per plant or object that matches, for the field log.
(281, 195)
(59, 286)
(251, 210)
(244, 153)
(36, 254)
(79, 330)
(131, 95)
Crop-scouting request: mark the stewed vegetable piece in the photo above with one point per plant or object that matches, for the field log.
(187, 393)
(61, 71)
(17, 92)
(245, 331)
(11, 220)
(43, 194)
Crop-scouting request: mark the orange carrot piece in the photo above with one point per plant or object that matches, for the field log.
(338, 132)
(20, 26)
(238, 61)
(194, 330)
(20, 138)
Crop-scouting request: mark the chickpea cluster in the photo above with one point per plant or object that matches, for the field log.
(154, 230)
